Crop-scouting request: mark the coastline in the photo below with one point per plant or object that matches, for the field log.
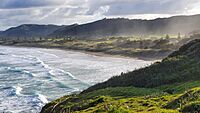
(95, 53)
(58, 66)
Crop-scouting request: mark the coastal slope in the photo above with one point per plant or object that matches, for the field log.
(169, 86)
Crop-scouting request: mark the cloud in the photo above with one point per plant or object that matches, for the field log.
(16, 12)
(126, 7)
(12, 4)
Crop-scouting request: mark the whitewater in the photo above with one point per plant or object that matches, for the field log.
(32, 77)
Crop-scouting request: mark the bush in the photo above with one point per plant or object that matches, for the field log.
(193, 107)
(115, 109)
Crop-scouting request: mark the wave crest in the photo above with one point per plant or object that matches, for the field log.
(19, 70)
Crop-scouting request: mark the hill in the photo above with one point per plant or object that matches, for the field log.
(180, 66)
(170, 86)
(129, 27)
(108, 28)
(62, 31)
(28, 31)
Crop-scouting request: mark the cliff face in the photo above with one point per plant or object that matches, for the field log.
(168, 86)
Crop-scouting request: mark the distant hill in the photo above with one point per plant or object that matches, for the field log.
(29, 30)
(127, 27)
(62, 31)
(109, 27)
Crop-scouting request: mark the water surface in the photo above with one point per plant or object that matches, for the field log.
(31, 77)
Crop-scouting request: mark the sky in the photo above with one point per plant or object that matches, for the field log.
(67, 12)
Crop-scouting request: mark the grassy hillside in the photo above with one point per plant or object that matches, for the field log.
(170, 86)
(139, 100)
(181, 66)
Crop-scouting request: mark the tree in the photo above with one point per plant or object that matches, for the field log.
(167, 36)
(18, 39)
(179, 35)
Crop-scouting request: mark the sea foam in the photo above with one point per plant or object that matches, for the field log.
(42, 98)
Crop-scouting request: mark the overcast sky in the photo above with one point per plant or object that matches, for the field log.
(16, 12)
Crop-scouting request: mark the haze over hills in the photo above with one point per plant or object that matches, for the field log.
(127, 27)
(109, 27)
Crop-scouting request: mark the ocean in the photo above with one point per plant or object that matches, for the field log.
(32, 77)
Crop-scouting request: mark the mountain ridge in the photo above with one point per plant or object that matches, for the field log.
(108, 28)
(29, 30)
(128, 27)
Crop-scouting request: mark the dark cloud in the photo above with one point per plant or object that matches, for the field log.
(11, 4)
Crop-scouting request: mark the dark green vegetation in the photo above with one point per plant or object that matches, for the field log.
(180, 66)
(170, 86)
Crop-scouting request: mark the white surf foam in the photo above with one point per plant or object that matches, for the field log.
(13, 69)
(68, 73)
(16, 91)
(56, 72)
(2, 53)
(48, 54)
(42, 98)
(19, 70)
(43, 64)
(29, 73)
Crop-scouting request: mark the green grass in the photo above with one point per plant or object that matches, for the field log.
(191, 107)
(109, 103)
(130, 99)
(186, 100)
(124, 92)
(179, 87)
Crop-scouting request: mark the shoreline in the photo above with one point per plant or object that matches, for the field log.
(103, 54)
(78, 51)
